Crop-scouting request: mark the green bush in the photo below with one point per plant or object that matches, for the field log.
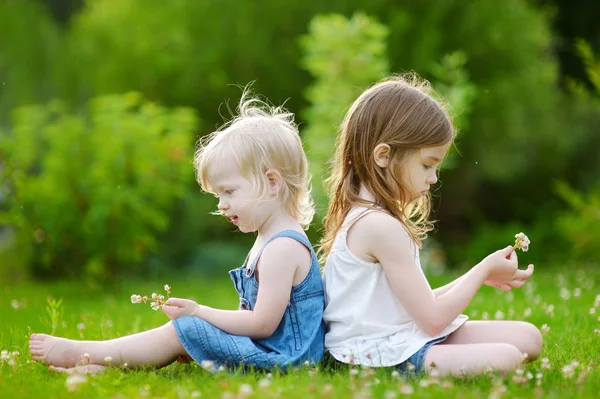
(580, 226)
(30, 42)
(87, 193)
(345, 56)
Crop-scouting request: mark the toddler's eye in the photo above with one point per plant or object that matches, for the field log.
(229, 192)
(427, 166)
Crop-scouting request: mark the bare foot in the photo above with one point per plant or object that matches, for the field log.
(58, 352)
(91, 369)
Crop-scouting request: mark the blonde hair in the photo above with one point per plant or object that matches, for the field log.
(261, 138)
(401, 112)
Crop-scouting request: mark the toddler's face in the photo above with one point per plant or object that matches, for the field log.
(420, 169)
(237, 198)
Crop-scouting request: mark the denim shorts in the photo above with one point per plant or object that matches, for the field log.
(418, 358)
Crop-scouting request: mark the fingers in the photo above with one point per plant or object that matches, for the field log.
(506, 287)
(176, 302)
(507, 252)
(524, 274)
(170, 311)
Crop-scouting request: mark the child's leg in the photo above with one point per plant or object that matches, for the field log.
(462, 360)
(524, 336)
(157, 347)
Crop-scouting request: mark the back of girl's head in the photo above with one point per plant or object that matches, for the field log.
(399, 112)
(260, 138)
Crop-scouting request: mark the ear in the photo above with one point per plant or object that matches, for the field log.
(275, 181)
(381, 155)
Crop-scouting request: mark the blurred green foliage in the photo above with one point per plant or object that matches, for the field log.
(341, 73)
(520, 130)
(87, 192)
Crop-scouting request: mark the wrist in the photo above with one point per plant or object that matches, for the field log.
(483, 271)
(197, 311)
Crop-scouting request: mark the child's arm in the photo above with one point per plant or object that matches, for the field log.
(390, 244)
(278, 264)
(519, 279)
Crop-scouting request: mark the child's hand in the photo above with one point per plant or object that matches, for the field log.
(178, 307)
(519, 279)
(501, 266)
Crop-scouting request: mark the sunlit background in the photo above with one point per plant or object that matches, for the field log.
(101, 103)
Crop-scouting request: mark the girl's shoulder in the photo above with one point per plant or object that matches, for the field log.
(378, 226)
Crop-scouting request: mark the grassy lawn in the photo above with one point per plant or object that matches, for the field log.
(562, 300)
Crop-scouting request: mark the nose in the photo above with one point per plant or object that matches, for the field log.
(432, 179)
(222, 205)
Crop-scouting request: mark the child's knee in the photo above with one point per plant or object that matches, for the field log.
(532, 341)
(509, 357)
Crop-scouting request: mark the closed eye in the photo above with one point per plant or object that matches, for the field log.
(427, 166)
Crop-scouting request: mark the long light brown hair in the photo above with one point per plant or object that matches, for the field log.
(399, 111)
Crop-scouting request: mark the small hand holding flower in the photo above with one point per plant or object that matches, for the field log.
(178, 307)
(520, 277)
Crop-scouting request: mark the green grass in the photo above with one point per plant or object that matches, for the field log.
(101, 314)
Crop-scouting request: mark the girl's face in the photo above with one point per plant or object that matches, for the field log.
(419, 170)
(237, 200)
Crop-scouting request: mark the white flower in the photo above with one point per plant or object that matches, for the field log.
(522, 242)
(545, 328)
(108, 359)
(155, 305)
(154, 295)
(406, 389)
(265, 382)
(167, 287)
(208, 365)
(246, 389)
(136, 298)
(390, 395)
(85, 359)
(74, 380)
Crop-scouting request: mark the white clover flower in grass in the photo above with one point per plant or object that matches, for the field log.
(545, 363)
(136, 298)
(246, 389)
(264, 383)
(522, 242)
(406, 389)
(208, 365)
(545, 328)
(73, 381)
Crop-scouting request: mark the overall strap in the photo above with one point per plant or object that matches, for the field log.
(286, 233)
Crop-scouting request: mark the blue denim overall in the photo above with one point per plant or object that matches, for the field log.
(298, 338)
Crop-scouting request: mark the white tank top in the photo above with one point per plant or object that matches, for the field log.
(366, 324)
